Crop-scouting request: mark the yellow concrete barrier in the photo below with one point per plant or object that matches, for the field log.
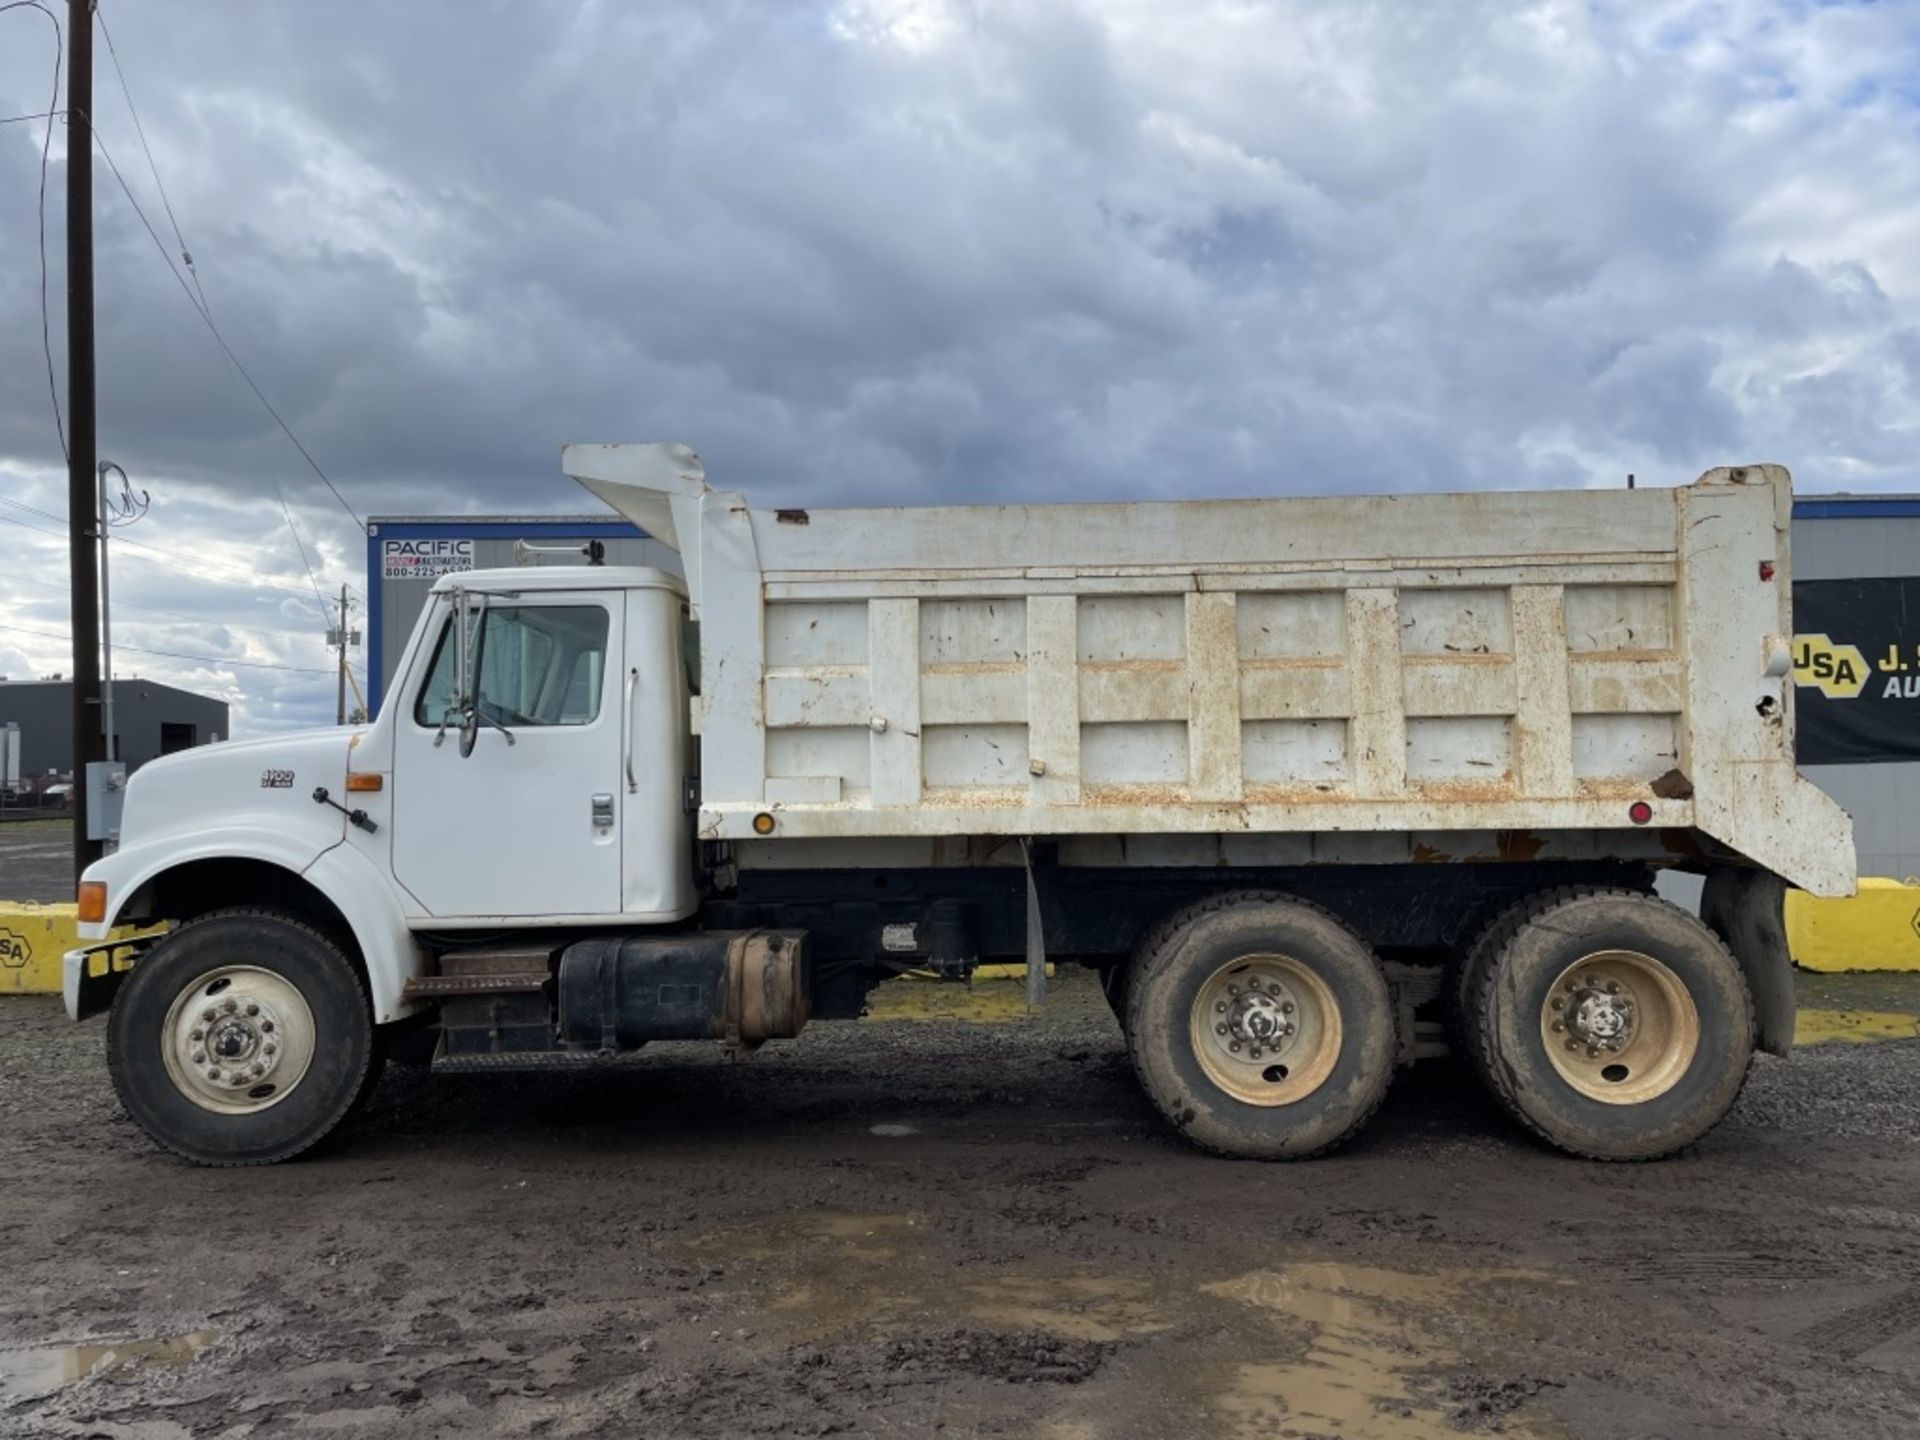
(1878, 929)
(32, 940)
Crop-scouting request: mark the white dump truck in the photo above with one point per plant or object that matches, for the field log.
(1320, 787)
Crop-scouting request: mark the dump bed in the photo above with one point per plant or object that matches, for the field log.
(1504, 665)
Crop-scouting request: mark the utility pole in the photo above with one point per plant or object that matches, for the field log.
(342, 638)
(88, 744)
(340, 680)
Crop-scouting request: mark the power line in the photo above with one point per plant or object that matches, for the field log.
(120, 604)
(199, 569)
(46, 148)
(177, 655)
(186, 255)
(234, 360)
(32, 114)
(221, 340)
(241, 576)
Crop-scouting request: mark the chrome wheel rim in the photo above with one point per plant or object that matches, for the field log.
(1266, 1029)
(238, 1040)
(1620, 1027)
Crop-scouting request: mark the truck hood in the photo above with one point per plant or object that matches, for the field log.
(266, 782)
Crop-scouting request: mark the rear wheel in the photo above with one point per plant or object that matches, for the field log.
(1260, 1026)
(1614, 1025)
(242, 1039)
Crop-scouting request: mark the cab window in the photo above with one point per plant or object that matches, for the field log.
(534, 665)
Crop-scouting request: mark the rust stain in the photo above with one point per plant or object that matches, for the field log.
(1146, 793)
(1673, 785)
(1493, 788)
(1426, 855)
(1518, 844)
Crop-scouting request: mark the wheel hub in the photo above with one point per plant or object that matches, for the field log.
(1620, 1027)
(1261, 1020)
(1266, 1029)
(1601, 1015)
(238, 1039)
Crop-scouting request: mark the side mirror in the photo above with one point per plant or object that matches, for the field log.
(462, 650)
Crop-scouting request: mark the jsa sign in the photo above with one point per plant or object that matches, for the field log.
(424, 559)
(1856, 661)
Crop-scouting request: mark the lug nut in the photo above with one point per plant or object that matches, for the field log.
(253, 1009)
(209, 1015)
(1233, 989)
(1219, 1007)
(1558, 1027)
(1572, 1044)
(1219, 1029)
(267, 1026)
(1286, 1007)
(199, 1057)
(213, 1074)
(198, 1035)
(231, 1006)
(1234, 1047)
(1558, 1003)
(1613, 987)
(1254, 983)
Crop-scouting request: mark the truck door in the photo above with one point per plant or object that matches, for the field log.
(527, 826)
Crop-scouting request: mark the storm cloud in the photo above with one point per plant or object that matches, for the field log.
(907, 251)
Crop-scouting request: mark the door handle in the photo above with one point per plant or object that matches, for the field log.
(603, 812)
(633, 684)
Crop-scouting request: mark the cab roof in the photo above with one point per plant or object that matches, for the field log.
(519, 579)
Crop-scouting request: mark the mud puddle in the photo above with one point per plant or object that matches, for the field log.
(40, 1370)
(1332, 1349)
(1370, 1365)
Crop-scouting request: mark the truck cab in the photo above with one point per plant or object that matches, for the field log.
(571, 751)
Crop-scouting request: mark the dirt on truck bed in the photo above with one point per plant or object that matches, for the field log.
(917, 1228)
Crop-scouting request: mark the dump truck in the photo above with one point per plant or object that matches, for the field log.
(1321, 787)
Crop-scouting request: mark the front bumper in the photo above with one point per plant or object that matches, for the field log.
(91, 976)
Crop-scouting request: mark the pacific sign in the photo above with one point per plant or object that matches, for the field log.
(424, 559)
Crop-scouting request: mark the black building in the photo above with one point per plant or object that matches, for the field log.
(149, 719)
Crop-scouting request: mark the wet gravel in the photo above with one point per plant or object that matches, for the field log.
(936, 1228)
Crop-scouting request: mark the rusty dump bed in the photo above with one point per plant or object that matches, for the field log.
(1414, 664)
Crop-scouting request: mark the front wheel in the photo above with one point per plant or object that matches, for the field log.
(242, 1039)
(1260, 1026)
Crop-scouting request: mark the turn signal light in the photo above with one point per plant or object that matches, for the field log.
(91, 908)
(763, 824)
(363, 781)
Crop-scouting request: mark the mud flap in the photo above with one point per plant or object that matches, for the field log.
(1036, 935)
(1747, 909)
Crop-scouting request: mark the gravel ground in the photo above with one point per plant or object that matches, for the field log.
(918, 1228)
(36, 861)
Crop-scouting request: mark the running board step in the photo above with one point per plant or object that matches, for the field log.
(484, 972)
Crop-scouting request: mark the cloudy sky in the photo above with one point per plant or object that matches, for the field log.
(902, 251)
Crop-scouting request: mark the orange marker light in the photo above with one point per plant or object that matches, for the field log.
(364, 781)
(763, 824)
(92, 906)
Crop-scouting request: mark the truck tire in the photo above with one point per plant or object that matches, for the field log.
(1260, 1026)
(1612, 1024)
(242, 1039)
